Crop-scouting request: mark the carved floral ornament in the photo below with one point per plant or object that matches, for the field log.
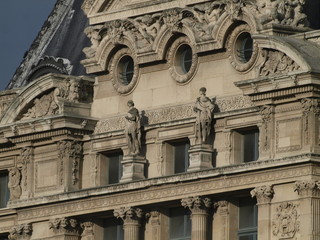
(286, 222)
(22, 231)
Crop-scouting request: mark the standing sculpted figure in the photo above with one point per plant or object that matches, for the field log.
(133, 129)
(203, 107)
(14, 183)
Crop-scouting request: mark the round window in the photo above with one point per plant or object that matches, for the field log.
(182, 60)
(126, 70)
(244, 47)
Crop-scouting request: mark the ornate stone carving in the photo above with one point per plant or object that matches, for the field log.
(87, 228)
(266, 115)
(172, 19)
(282, 12)
(264, 194)
(64, 225)
(14, 183)
(72, 151)
(43, 106)
(153, 217)
(277, 63)
(203, 107)
(26, 154)
(222, 207)
(133, 129)
(307, 188)
(148, 26)
(21, 232)
(197, 204)
(92, 33)
(72, 90)
(286, 221)
(86, 6)
(128, 214)
(309, 106)
(5, 101)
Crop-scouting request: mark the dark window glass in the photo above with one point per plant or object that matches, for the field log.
(248, 219)
(115, 167)
(113, 229)
(4, 191)
(126, 69)
(244, 45)
(186, 58)
(180, 224)
(181, 156)
(251, 145)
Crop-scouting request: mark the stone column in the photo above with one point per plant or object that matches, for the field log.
(131, 221)
(264, 195)
(21, 232)
(65, 228)
(309, 195)
(199, 218)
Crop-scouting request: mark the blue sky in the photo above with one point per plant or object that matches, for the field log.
(20, 22)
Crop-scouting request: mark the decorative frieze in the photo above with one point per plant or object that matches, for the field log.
(21, 232)
(264, 194)
(285, 223)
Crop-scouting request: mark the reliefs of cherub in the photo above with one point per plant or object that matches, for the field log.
(203, 107)
(133, 130)
(14, 183)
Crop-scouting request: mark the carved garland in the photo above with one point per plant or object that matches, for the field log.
(174, 63)
(114, 71)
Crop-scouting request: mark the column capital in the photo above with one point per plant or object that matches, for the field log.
(222, 207)
(264, 194)
(197, 204)
(64, 225)
(87, 228)
(128, 214)
(307, 188)
(21, 232)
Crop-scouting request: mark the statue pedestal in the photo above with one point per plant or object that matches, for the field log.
(133, 168)
(200, 157)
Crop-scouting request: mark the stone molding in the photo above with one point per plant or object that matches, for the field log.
(21, 232)
(64, 225)
(172, 114)
(285, 223)
(128, 214)
(307, 188)
(142, 193)
(197, 205)
(263, 194)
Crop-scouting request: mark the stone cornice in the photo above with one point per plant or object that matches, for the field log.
(166, 188)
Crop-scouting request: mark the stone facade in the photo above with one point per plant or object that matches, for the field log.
(241, 161)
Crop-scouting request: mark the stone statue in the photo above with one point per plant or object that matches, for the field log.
(14, 183)
(133, 129)
(203, 107)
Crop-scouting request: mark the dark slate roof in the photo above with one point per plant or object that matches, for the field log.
(61, 39)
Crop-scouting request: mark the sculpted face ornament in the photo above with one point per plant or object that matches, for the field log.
(203, 107)
(133, 129)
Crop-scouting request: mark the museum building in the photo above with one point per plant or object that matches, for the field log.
(165, 120)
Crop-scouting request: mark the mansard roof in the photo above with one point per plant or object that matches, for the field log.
(59, 42)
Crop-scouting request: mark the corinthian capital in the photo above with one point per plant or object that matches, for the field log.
(22, 231)
(264, 194)
(197, 204)
(128, 214)
(307, 188)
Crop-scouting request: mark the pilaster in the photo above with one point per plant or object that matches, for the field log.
(87, 230)
(266, 135)
(153, 219)
(309, 196)
(221, 220)
(264, 195)
(26, 165)
(131, 221)
(199, 208)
